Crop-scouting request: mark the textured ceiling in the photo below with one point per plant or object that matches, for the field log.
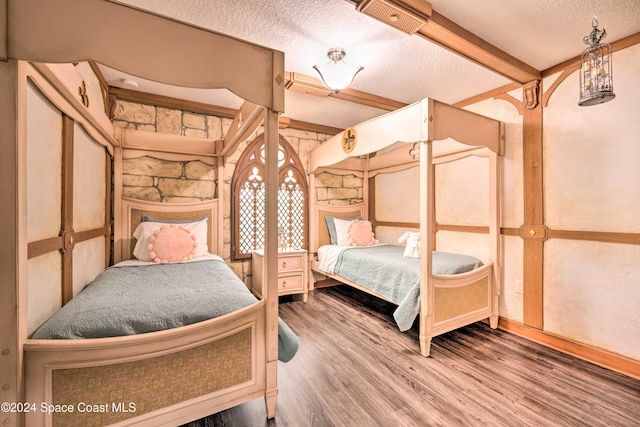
(405, 68)
(542, 33)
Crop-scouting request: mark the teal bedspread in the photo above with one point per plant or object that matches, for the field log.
(129, 300)
(384, 270)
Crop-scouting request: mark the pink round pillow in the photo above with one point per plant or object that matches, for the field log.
(171, 243)
(360, 233)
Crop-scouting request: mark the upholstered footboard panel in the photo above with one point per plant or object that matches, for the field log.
(451, 303)
(112, 393)
(163, 378)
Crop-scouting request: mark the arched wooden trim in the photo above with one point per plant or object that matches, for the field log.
(575, 61)
(547, 94)
(512, 100)
(242, 170)
(487, 95)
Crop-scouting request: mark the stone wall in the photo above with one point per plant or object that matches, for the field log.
(155, 180)
(162, 120)
(339, 190)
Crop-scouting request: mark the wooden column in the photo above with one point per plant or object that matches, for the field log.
(533, 231)
(271, 259)
(66, 231)
(13, 251)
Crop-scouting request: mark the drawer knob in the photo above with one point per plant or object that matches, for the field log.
(284, 264)
(284, 283)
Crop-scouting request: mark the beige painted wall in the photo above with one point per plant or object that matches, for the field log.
(590, 183)
(89, 177)
(44, 167)
(462, 192)
(591, 176)
(44, 205)
(462, 198)
(511, 304)
(398, 186)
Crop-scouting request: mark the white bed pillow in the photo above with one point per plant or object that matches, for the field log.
(342, 231)
(331, 227)
(145, 230)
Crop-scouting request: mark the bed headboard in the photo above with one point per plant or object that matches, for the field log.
(319, 230)
(133, 210)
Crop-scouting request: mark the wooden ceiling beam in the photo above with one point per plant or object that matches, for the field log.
(455, 38)
(313, 127)
(313, 86)
(451, 36)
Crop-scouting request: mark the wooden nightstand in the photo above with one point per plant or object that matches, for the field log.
(293, 267)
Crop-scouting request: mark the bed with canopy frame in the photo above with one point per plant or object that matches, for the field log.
(423, 135)
(45, 39)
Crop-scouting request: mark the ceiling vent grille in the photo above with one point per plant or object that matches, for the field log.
(408, 16)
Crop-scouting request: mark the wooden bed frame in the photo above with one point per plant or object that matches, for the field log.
(133, 370)
(112, 373)
(446, 302)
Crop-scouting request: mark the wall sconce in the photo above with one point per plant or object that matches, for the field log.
(337, 74)
(596, 78)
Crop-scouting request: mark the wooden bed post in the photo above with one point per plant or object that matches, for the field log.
(271, 261)
(117, 203)
(221, 207)
(13, 254)
(313, 234)
(495, 220)
(426, 233)
(272, 140)
(495, 209)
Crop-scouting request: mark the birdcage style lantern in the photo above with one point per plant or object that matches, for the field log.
(596, 76)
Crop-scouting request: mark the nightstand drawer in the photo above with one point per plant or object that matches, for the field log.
(290, 283)
(292, 263)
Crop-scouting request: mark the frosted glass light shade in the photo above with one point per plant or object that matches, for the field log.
(337, 74)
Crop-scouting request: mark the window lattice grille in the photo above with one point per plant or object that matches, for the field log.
(291, 214)
(252, 217)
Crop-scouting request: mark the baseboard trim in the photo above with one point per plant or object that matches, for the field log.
(597, 356)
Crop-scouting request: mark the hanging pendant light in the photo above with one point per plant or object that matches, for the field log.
(337, 74)
(596, 78)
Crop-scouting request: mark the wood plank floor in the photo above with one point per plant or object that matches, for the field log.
(354, 368)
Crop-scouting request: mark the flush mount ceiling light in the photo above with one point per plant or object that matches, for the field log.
(128, 83)
(596, 78)
(337, 74)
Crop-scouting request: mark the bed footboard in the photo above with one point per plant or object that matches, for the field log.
(457, 301)
(162, 378)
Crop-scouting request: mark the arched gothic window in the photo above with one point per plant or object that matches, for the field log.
(248, 194)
